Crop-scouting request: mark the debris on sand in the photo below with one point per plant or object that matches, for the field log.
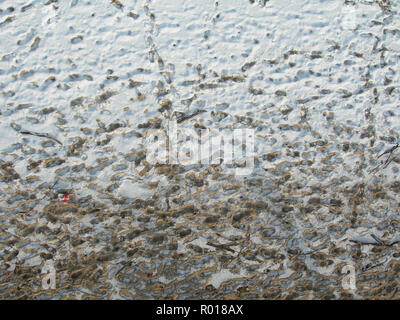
(18, 128)
(184, 118)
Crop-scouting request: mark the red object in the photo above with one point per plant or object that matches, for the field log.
(66, 197)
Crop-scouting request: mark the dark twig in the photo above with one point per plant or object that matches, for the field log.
(184, 118)
(224, 246)
(369, 266)
(388, 160)
(314, 250)
(18, 128)
(124, 265)
(389, 150)
(380, 241)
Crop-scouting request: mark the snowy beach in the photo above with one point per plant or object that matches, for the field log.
(84, 85)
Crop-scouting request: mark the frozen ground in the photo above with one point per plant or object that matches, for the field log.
(316, 80)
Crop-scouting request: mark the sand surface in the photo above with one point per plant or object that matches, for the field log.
(83, 84)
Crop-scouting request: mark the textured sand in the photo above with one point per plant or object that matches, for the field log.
(318, 82)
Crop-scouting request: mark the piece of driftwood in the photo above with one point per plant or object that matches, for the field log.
(18, 128)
